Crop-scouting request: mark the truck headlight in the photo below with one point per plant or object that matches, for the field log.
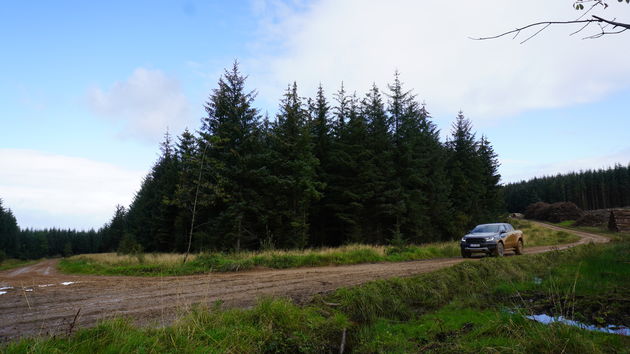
(463, 239)
(490, 238)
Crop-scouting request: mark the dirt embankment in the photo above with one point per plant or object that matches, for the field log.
(38, 300)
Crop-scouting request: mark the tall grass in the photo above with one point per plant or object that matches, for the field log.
(171, 264)
(150, 264)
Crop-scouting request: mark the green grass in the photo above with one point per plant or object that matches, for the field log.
(171, 264)
(566, 223)
(439, 312)
(600, 230)
(453, 329)
(15, 263)
(536, 235)
(471, 307)
(272, 326)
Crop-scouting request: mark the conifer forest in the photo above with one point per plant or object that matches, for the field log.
(589, 190)
(354, 169)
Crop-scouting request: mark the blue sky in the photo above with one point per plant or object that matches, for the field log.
(88, 88)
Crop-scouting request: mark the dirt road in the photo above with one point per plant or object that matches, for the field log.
(38, 300)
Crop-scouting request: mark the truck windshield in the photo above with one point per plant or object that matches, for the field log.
(485, 228)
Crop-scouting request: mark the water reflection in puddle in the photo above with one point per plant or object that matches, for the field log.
(546, 319)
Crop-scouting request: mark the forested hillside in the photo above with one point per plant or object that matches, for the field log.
(591, 189)
(369, 169)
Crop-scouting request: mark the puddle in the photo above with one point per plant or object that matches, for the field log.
(2, 292)
(546, 319)
(5, 288)
(45, 285)
(29, 290)
(68, 282)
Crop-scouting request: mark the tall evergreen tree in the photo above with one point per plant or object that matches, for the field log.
(294, 169)
(321, 134)
(231, 132)
(464, 170)
(349, 189)
(383, 205)
(9, 232)
(151, 215)
(114, 231)
(187, 153)
(491, 203)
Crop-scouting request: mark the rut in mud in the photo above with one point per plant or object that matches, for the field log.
(38, 300)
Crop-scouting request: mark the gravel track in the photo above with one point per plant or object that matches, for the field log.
(36, 301)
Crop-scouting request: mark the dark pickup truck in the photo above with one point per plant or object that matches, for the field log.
(492, 239)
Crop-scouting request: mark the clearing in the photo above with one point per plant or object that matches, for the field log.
(38, 300)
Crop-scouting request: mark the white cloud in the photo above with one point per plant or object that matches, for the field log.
(518, 170)
(361, 42)
(47, 190)
(145, 104)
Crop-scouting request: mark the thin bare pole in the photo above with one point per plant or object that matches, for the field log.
(192, 221)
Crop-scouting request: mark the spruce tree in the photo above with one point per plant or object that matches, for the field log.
(232, 135)
(464, 170)
(151, 216)
(294, 169)
(348, 190)
(187, 153)
(9, 232)
(382, 207)
(491, 201)
(321, 134)
(113, 232)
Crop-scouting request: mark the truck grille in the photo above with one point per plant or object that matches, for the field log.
(475, 240)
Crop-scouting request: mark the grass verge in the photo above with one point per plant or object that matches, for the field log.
(171, 264)
(15, 263)
(600, 230)
(536, 235)
(471, 307)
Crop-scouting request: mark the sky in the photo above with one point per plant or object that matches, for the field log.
(88, 88)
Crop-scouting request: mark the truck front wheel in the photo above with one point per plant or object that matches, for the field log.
(519, 247)
(498, 252)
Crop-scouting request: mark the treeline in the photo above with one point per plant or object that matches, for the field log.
(34, 244)
(589, 190)
(370, 170)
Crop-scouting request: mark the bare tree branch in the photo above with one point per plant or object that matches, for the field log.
(580, 30)
(615, 24)
(545, 24)
(518, 30)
